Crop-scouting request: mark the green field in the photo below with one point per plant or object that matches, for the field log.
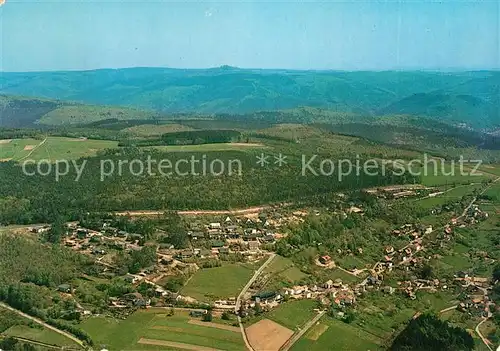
(14, 149)
(42, 335)
(155, 324)
(451, 195)
(439, 176)
(339, 336)
(53, 148)
(220, 282)
(283, 270)
(292, 314)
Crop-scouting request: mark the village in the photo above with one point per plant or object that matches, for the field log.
(250, 238)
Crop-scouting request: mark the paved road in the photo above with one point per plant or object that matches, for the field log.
(48, 326)
(295, 337)
(243, 292)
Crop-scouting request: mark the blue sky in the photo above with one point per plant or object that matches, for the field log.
(347, 35)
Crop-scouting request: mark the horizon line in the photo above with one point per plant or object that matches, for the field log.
(229, 67)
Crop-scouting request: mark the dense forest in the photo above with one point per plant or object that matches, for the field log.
(429, 333)
(38, 199)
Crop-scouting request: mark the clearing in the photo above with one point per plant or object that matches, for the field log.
(210, 284)
(54, 148)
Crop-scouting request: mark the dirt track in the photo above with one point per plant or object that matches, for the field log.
(195, 212)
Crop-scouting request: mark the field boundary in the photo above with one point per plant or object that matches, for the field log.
(178, 345)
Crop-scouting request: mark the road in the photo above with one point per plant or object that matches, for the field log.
(485, 341)
(295, 337)
(48, 326)
(243, 292)
(243, 211)
(32, 150)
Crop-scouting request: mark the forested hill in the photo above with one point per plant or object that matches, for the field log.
(457, 97)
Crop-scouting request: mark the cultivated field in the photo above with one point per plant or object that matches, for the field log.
(267, 335)
(292, 314)
(152, 329)
(335, 335)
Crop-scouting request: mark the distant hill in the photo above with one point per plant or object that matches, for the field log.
(458, 97)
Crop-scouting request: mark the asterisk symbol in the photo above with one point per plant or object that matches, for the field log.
(280, 160)
(262, 160)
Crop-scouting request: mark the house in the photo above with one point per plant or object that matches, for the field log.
(268, 238)
(337, 283)
(325, 259)
(264, 296)
(185, 254)
(354, 209)
(136, 299)
(223, 250)
(197, 235)
(373, 280)
(389, 249)
(204, 253)
(132, 279)
(215, 225)
(65, 288)
(328, 284)
(253, 245)
(197, 313)
(228, 220)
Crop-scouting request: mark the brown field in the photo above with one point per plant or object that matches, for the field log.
(214, 325)
(267, 335)
(316, 331)
(177, 345)
(5, 141)
(29, 147)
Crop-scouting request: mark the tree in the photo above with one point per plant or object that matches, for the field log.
(425, 272)
(207, 317)
(428, 333)
(496, 272)
(56, 232)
